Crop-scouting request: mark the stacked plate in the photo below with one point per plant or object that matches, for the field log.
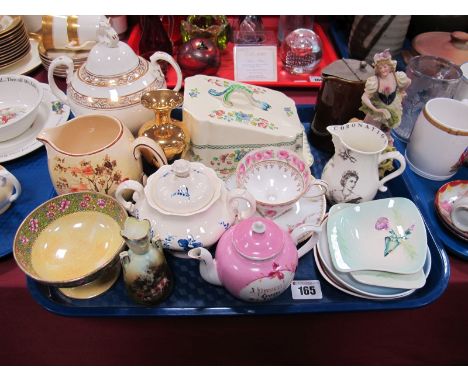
(14, 40)
(375, 250)
(79, 57)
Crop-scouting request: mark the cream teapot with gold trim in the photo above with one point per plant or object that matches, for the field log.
(112, 80)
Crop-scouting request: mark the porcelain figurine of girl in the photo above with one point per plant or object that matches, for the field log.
(384, 92)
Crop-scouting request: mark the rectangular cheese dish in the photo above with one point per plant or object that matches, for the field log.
(227, 119)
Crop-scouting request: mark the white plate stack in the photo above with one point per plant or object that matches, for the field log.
(79, 57)
(375, 250)
(14, 40)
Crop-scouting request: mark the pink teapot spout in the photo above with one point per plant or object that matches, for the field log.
(208, 268)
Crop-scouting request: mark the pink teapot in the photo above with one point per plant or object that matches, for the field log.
(255, 259)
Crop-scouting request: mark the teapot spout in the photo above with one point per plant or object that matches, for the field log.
(208, 269)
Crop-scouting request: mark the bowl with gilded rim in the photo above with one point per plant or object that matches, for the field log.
(70, 240)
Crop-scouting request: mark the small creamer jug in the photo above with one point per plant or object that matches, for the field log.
(352, 173)
(147, 276)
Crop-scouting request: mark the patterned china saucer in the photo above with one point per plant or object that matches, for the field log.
(51, 113)
(445, 197)
(305, 210)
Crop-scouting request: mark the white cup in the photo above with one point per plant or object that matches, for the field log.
(70, 32)
(8, 184)
(439, 139)
(459, 214)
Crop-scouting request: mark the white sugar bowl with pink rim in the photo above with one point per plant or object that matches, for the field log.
(277, 178)
(255, 259)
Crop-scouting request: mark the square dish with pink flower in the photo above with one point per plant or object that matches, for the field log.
(383, 235)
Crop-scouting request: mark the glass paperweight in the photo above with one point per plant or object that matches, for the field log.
(301, 51)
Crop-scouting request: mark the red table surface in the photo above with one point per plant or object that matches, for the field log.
(433, 335)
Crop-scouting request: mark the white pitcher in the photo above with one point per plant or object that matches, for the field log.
(353, 172)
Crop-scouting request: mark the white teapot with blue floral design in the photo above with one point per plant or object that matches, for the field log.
(187, 205)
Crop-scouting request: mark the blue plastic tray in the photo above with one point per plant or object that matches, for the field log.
(423, 192)
(194, 297)
(33, 175)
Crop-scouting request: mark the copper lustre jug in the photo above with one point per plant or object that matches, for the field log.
(339, 99)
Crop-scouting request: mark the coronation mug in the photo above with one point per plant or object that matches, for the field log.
(438, 144)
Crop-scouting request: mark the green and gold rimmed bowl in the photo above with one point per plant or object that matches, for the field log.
(71, 240)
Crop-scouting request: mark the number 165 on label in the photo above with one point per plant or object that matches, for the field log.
(306, 290)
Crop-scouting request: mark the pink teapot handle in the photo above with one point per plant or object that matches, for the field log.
(299, 231)
(159, 158)
(239, 193)
(168, 58)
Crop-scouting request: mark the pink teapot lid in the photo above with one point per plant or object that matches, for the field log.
(258, 238)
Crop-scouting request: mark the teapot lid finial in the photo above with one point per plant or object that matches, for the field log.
(258, 227)
(110, 57)
(181, 168)
(107, 35)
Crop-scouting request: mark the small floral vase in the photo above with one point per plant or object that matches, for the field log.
(147, 276)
